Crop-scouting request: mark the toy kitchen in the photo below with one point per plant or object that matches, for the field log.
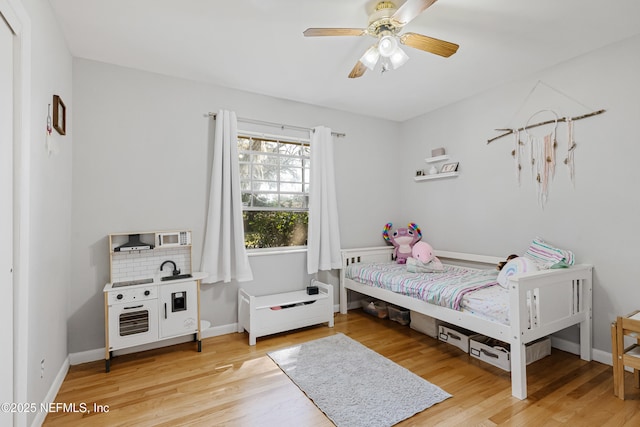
(153, 294)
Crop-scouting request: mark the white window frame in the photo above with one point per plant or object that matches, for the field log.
(243, 134)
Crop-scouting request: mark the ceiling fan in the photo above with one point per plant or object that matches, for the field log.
(385, 24)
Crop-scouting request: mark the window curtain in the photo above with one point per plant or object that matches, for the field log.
(323, 240)
(224, 256)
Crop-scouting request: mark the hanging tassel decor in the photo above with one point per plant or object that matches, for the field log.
(543, 157)
(517, 154)
(571, 144)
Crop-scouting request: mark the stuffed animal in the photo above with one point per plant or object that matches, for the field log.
(515, 266)
(423, 259)
(503, 263)
(403, 240)
(424, 252)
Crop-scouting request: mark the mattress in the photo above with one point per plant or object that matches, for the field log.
(491, 303)
(460, 288)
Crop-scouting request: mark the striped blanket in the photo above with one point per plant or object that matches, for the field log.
(445, 289)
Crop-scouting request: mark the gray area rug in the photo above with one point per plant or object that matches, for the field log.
(355, 386)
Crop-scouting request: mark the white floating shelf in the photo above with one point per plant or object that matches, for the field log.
(436, 159)
(436, 176)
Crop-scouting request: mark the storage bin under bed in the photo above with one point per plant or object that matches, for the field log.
(399, 314)
(375, 308)
(458, 337)
(422, 323)
(497, 353)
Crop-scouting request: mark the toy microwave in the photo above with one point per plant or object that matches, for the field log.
(174, 238)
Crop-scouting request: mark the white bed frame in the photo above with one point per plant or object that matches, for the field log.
(564, 298)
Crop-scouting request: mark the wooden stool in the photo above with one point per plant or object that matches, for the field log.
(628, 325)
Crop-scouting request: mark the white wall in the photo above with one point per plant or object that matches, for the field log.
(141, 144)
(49, 266)
(140, 164)
(484, 211)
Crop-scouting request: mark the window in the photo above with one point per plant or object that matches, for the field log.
(274, 178)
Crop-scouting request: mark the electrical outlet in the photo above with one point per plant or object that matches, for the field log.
(42, 368)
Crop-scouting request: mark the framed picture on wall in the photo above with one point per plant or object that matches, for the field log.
(59, 115)
(449, 167)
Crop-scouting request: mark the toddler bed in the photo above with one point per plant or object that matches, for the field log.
(532, 306)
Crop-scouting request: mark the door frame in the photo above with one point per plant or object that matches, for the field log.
(16, 16)
(7, 69)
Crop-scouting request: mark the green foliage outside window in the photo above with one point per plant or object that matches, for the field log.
(272, 229)
(274, 181)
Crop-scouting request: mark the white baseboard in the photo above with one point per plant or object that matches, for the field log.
(52, 393)
(602, 357)
(564, 345)
(574, 348)
(353, 305)
(86, 356)
(98, 353)
(216, 331)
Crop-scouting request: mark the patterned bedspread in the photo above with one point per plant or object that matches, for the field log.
(446, 289)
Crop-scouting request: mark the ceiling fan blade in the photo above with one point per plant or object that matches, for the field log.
(358, 70)
(429, 44)
(314, 32)
(409, 10)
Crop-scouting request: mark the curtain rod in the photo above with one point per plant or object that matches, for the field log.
(280, 138)
(279, 125)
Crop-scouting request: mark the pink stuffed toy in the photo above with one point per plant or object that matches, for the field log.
(423, 260)
(403, 239)
(423, 252)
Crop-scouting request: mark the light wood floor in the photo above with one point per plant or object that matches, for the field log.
(233, 384)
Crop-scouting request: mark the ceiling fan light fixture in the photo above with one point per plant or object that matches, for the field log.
(370, 57)
(398, 58)
(387, 46)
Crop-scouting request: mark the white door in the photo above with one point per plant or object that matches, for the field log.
(6, 216)
(178, 309)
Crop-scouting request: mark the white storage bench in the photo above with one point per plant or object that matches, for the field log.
(270, 314)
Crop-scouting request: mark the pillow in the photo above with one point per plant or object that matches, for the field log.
(546, 256)
(517, 265)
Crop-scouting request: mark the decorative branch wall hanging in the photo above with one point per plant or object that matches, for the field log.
(508, 132)
(542, 146)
